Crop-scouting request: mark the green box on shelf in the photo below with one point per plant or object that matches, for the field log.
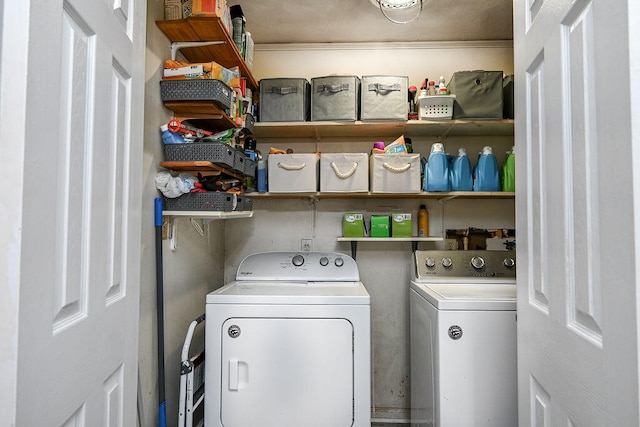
(380, 225)
(353, 225)
(401, 225)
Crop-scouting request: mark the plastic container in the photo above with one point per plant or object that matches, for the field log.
(169, 137)
(423, 221)
(486, 172)
(436, 174)
(262, 176)
(509, 171)
(461, 174)
(442, 87)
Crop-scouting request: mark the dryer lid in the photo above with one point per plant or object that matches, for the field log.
(474, 296)
(282, 292)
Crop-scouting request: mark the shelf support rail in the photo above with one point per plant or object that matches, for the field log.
(176, 46)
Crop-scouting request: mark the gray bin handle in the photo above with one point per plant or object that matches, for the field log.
(333, 88)
(282, 90)
(381, 87)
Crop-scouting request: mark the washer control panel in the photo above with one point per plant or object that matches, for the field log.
(465, 264)
(298, 266)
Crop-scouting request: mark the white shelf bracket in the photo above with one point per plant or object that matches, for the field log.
(176, 46)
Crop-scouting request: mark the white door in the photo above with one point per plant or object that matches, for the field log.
(76, 212)
(577, 230)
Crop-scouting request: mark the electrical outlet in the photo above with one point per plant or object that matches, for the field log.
(451, 244)
(306, 245)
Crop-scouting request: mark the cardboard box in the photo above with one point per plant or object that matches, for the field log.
(173, 10)
(395, 173)
(293, 173)
(209, 8)
(380, 226)
(344, 172)
(353, 225)
(401, 225)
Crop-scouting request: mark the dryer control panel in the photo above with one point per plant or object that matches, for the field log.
(299, 266)
(455, 265)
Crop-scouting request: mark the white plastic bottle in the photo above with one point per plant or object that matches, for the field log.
(442, 87)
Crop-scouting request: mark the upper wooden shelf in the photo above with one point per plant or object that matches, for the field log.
(411, 128)
(370, 195)
(204, 29)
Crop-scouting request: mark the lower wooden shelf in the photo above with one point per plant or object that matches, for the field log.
(414, 241)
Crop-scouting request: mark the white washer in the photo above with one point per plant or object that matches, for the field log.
(288, 344)
(463, 339)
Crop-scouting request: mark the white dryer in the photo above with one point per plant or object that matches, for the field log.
(288, 344)
(463, 339)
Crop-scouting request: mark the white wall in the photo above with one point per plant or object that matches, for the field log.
(192, 271)
(385, 268)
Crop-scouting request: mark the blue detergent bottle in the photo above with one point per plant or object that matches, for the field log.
(486, 172)
(436, 175)
(460, 175)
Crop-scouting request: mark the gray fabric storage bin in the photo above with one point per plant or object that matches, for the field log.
(285, 100)
(507, 90)
(478, 94)
(384, 97)
(335, 98)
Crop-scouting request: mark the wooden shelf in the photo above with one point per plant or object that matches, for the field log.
(201, 114)
(369, 195)
(209, 214)
(391, 239)
(411, 128)
(203, 29)
(200, 166)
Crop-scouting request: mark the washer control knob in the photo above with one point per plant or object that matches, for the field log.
(339, 262)
(297, 260)
(477, 262)
(446, 262)
(324, 261)
(430, 262)
(509, 262)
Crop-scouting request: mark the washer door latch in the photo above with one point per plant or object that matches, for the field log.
(455, 332)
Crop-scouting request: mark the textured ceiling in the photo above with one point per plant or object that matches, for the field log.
(345, 21)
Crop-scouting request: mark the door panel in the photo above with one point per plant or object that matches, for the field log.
(289, 372)
(576, 270)
(78, 320)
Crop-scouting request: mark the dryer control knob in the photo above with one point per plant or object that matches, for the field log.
(297, 260)
(446, 262)
(324, 261)
(509, 262)
(339, 262)
(430, 262)
(477, 262)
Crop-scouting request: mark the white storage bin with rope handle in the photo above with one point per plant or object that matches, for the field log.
(293, 173)
(344, 172)
(395, 173)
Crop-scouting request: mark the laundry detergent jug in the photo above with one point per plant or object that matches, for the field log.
(436, 174)
(509, 171)
(460, 174)
(486, 172)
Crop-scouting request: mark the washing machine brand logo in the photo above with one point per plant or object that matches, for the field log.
(246, 273)
(455, 332)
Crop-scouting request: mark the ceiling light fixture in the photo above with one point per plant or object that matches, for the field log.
(385, 5)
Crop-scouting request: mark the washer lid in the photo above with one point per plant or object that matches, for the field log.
(477, 296)
(282, 292)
